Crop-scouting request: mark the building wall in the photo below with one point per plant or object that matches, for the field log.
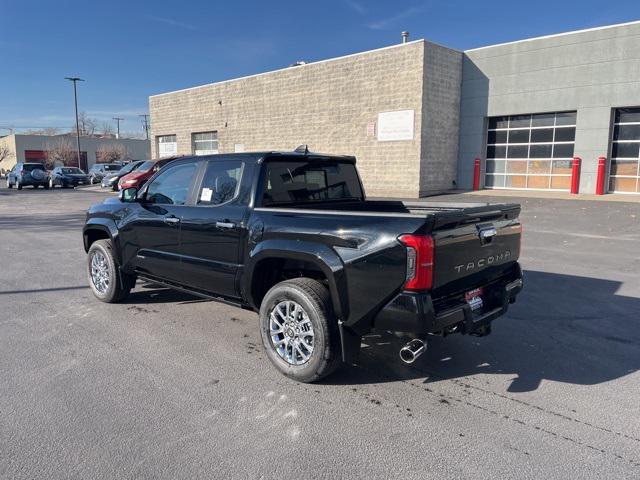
(327, 105)
(442, 76)
(589, 71)
(137, 149)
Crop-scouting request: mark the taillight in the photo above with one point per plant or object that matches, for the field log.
(21, 172)
(419, 261)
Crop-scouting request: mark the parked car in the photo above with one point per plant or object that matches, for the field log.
(26, 173)
(98, 171)
(144, 172)
(68, 177)
(293, 237)
(111, 180)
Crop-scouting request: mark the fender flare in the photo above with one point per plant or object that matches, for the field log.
(322, 256)
(104, 225)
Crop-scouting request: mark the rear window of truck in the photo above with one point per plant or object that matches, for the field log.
(309, 182)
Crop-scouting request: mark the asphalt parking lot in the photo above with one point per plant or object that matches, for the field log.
(171, 386)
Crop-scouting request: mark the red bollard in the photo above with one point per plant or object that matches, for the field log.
(575, 175)
(602, 168)
(476, 174)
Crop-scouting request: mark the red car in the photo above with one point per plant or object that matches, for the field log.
(144, 172)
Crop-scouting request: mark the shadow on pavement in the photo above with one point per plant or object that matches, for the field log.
(43, 290)
(563, 328)
(49, 222)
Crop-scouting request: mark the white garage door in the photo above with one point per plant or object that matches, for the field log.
(530, 151)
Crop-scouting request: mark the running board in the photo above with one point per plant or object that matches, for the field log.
(193, 291)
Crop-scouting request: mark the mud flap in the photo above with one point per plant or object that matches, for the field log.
(350, 343)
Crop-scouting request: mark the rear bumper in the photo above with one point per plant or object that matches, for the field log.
(420, 314)
(26, 182)
(73, 182)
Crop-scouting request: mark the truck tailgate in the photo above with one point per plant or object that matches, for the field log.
(476, 251)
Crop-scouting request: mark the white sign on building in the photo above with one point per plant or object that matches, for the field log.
(396, 125)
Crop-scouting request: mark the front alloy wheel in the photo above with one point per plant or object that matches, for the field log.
(100, 276)
(291, 332)
(106, 281)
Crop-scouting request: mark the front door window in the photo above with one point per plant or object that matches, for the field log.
(172, 186)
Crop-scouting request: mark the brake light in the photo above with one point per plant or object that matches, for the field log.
(21, 172)
(420, 249)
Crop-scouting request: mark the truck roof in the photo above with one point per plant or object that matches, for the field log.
(259, 157)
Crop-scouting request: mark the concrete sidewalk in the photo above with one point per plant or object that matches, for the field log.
(610, 197)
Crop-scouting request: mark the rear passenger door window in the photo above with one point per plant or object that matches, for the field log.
(220, 183)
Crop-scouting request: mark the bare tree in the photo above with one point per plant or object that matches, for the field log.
(50, 131)
(5, 154)
(106, 129)
(133, 135)
(86, 124)
(61, 152)
(112, 152)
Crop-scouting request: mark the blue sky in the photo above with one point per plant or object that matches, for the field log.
(127, 51)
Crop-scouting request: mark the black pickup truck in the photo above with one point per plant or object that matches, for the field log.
(291, 236)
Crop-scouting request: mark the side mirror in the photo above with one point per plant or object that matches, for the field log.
(128, 195)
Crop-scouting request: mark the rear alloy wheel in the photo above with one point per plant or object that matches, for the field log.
(107, 283)
(291, 332)
(299, 330)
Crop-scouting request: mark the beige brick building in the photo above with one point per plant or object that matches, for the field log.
(391, 108)
(416, 115)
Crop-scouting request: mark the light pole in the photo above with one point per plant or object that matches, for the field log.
(75, 101)
(117, 119)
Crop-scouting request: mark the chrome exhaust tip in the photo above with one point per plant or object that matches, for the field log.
(412, 350)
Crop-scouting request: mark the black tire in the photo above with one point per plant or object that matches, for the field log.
(18, 185)
(46, 186)
(119, 285)
(35, 185)
(314, 298)
(9, 184)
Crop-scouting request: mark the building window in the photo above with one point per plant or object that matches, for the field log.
(205, 143)
(625, 152)
(532, 151)
(167, 146)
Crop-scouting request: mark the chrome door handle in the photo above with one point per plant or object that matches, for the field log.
(171, 220)
(225, 225)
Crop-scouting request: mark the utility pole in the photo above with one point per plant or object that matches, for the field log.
(118, 119)
(145, 124)
(75, 101)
